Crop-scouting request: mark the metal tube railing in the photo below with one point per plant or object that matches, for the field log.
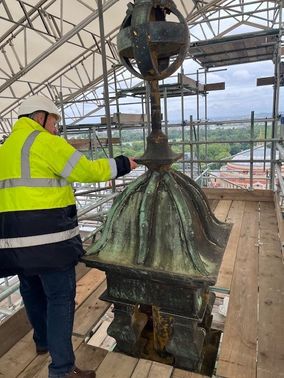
(200, 178)
(280, 148)
(95, 205)
(228, 161)
(228, 122)
(280, 178)
(97, 190)
(260, 140)
(225, 180)
(251, 150)
(92, 234)
(9, 291)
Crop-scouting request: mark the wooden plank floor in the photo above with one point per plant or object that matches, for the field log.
(238, 351)
(252, 275)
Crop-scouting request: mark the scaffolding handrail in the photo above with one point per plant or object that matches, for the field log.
(95, 205)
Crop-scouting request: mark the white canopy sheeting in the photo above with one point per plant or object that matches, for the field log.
(53, 47)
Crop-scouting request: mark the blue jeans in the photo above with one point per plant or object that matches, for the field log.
(49, 300)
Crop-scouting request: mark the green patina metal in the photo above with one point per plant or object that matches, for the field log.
(161, 246)
(146, 218)
(156, 223)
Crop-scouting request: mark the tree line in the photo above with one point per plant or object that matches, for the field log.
(236, 139)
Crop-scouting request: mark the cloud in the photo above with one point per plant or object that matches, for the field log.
(241, 75)
(240, 97)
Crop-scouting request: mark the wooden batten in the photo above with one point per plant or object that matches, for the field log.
(280, 221)
(214, 86)
(127, 118)
(13, 329)
(87, 144)
(80, 144)
(193, 84)
(239, 194)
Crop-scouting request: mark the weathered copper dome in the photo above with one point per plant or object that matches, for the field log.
(161, 246)
(162, 222)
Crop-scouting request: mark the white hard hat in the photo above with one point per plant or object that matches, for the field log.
(37, 103)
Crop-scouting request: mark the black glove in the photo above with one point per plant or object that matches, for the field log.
(122, 165)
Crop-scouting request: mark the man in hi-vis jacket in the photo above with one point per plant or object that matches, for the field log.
(39, 235)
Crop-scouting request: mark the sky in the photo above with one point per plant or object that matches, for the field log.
(240, 97)
(241, 94)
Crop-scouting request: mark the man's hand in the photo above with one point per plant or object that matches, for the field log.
(124, 165)
(133, 163)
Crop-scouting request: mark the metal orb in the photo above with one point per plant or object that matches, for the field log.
(158, 47)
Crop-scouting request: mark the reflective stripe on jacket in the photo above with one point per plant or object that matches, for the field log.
(38, 167)
(38, 223)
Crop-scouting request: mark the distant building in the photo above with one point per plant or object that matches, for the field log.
(237, 173)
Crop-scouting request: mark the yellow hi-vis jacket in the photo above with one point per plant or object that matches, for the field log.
(38, 223)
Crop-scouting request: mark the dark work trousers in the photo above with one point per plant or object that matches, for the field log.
(49, 300)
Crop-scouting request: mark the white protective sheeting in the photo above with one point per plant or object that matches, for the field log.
(53, 46)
